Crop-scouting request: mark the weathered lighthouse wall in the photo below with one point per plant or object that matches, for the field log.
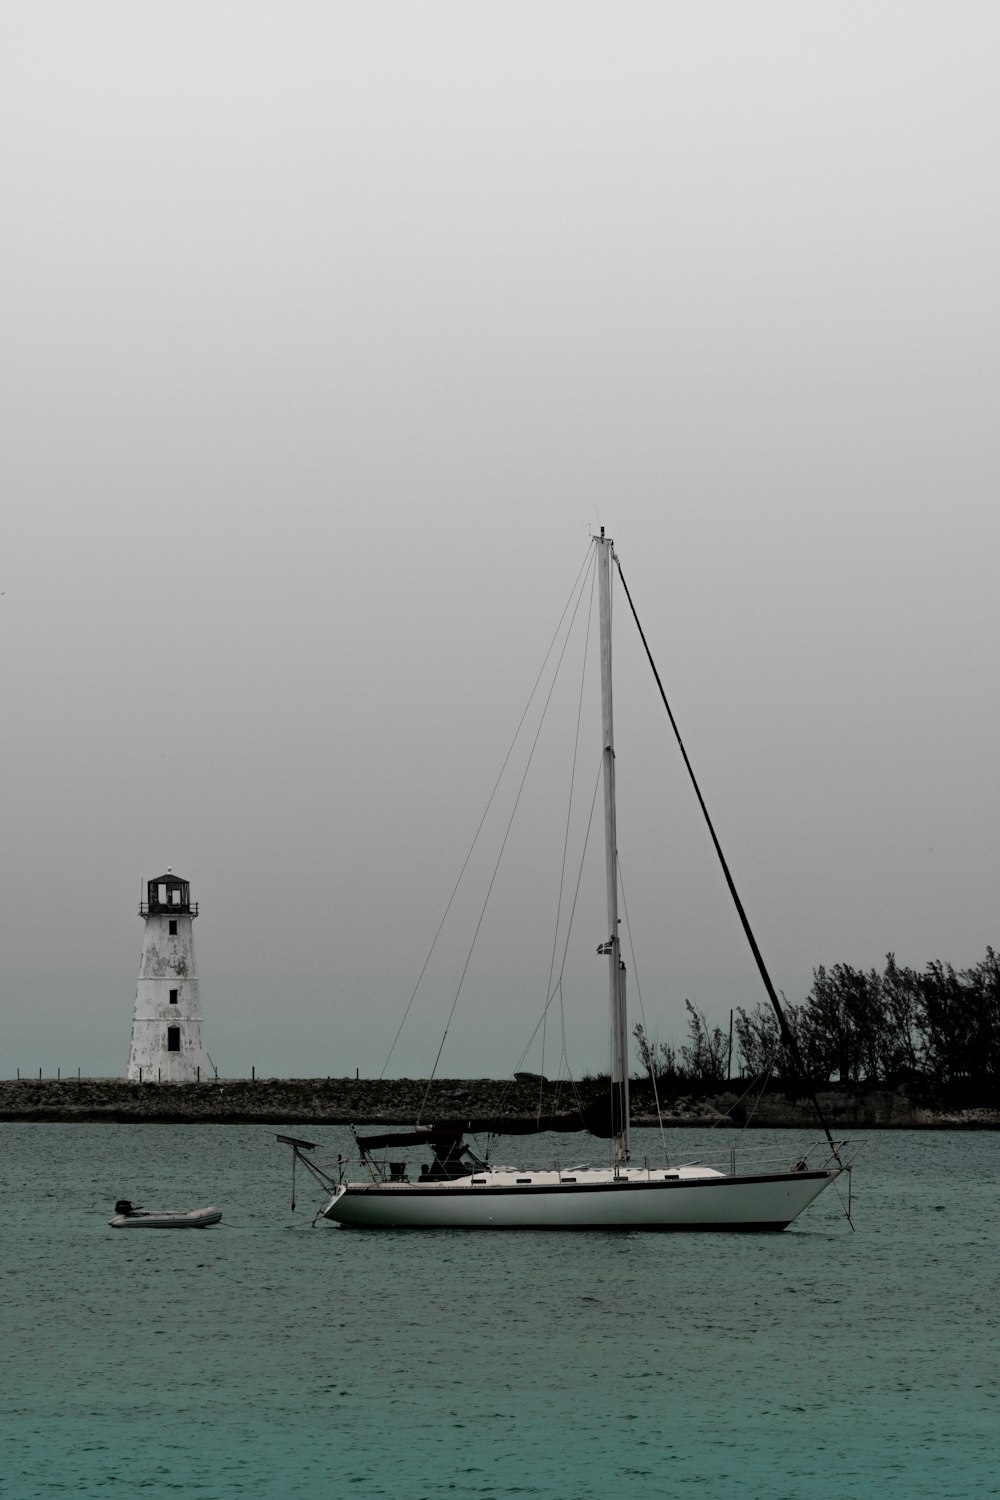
(167, 1042)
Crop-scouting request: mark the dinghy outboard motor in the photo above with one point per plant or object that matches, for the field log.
(123, 1206)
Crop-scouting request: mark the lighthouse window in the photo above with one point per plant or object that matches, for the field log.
(172, 927)
(173, 997)
(173, 1038)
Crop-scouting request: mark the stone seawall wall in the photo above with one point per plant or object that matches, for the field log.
(321, 1101)
(402, 1101)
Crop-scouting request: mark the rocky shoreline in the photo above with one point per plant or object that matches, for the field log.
(477, 1104)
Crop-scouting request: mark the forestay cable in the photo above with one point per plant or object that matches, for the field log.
(787, 1035)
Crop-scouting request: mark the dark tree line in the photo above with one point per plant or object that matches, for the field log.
(705, 1059)
(938, 1025)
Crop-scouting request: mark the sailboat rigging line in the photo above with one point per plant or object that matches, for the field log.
(846, 1206)
(763, 1077)
(510, 823)
(565, 849)
(562, 967)
(787, 1035)
(642, 1009)
(475, 838)
(579, 876)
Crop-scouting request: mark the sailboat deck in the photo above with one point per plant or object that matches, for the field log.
(511, 1177)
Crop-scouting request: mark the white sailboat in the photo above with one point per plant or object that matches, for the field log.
(464, 1192)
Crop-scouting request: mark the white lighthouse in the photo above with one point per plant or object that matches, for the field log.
(167, 1043)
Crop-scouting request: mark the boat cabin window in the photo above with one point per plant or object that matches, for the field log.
(172, 927)
(173, 1038)
(173, 997)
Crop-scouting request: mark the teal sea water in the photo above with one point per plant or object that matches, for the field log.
(267, 1358)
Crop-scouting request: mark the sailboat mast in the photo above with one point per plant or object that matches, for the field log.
(616, 969)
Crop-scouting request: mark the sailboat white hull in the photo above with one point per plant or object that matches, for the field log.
(632, 1201)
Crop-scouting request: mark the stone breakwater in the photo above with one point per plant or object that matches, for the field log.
(317, 1101)
(510, 1105)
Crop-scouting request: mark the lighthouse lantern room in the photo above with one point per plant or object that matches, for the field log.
(167, 1044)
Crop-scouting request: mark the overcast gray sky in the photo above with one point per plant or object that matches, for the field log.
(329, 332)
